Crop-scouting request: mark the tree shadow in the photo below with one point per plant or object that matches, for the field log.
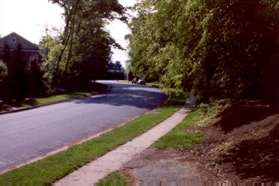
(243, 113)
(127, 95)
(31, 102)
(18, 103)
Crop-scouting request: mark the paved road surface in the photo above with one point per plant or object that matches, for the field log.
(29, 134)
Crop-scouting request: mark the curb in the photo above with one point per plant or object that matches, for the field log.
(38, 106)
(48, 104)
(66, 147)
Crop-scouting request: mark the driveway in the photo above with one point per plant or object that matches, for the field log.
(29, 134)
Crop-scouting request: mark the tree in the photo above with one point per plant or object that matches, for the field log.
(50, 49)
(215, 49)
(85, 45)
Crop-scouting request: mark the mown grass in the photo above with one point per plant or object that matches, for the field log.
(179, 138)
(52, 168)
(62, 97)
(118, 178)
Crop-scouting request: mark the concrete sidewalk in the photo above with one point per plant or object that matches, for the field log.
(114, 160)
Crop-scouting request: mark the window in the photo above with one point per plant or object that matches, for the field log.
(13, 42)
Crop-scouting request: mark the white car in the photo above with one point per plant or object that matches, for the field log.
(141, 82)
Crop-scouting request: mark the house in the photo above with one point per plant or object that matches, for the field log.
(23, 61)
(29, 51)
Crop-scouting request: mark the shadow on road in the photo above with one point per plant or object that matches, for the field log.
(126, 94)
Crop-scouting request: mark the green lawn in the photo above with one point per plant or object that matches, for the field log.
(62, 97)
(52, 168)
(179, 138)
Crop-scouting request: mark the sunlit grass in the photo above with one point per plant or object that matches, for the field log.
(179, 138)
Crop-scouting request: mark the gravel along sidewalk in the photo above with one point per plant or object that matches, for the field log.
(91, 173)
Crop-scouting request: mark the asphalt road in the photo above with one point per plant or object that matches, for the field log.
(29, 134)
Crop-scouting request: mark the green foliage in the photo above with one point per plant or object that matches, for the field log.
(50, 50)
(216, 49)
(240, 46)
(82, 52)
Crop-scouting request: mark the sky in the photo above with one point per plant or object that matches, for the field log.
(30, 18)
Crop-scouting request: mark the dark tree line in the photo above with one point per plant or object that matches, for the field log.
(22, 78)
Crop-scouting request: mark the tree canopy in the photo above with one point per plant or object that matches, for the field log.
(83, 50)
(214, 49)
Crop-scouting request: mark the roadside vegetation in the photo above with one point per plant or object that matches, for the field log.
(52, 168)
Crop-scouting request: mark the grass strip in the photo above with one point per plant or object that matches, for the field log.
(60, 98)
(117, 178)
(52, 168)
(179, 138)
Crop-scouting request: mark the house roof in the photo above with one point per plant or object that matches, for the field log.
(14, 37)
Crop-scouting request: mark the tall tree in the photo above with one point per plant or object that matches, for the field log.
(85, 45)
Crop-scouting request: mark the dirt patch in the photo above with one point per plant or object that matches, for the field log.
(242, 143)
(167, 167)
